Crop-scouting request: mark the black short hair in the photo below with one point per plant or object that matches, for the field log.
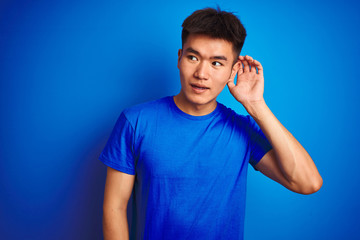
(215, 23)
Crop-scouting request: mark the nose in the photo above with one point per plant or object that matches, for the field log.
(202, 71)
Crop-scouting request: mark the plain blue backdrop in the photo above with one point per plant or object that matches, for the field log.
(68, 68)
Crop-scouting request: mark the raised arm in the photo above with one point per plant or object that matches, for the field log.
(288, 162)
(118, 189)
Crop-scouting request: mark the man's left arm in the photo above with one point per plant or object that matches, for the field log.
(288, 162)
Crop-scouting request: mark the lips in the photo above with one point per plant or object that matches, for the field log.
(199, 86)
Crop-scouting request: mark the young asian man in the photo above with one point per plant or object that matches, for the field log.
(184, 158)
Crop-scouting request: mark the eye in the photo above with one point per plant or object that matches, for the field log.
(217, 63)
(192, 58)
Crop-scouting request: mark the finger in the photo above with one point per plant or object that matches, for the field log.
(259, 67)
(248, 58)
(253, 66)
(246, 65)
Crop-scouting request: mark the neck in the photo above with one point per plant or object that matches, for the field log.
(192, 108)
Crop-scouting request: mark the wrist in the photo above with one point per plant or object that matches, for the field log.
(256, 109)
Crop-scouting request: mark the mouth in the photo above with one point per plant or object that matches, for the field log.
(198, 86)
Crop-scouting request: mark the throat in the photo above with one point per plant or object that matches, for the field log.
(194, 108)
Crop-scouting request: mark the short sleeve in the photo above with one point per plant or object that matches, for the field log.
(119, 150)
(259, 145)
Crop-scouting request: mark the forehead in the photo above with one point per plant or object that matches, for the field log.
(208, 46)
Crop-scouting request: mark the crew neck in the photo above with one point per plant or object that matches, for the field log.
(192, 117)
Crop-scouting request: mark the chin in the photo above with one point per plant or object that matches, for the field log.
(200, 100)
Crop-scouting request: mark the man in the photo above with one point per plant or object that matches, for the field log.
(184, 158)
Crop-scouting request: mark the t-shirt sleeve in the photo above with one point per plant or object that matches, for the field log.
(259, 145)
(119, 150)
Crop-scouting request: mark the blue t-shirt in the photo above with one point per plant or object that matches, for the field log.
(190, 170)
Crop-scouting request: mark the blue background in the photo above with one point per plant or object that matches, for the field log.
(68, 69)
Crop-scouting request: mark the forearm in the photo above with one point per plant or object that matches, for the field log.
(115, 225)
(295, 163)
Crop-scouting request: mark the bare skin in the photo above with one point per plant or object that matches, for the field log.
(118, 190)
(203, 62)
(288, 163)
(206, 67)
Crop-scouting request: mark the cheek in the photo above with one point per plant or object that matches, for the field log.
(185, 70)
(181, 69)
(222, 77)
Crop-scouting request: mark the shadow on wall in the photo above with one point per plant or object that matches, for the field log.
(85, 206)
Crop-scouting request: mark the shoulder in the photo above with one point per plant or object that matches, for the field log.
(232, 116)
(146, 110)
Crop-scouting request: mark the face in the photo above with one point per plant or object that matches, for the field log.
(206, 65)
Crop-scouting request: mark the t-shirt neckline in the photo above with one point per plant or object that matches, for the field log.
(192, 117)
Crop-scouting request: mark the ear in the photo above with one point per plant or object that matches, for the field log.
(235, 68)
(179, 56)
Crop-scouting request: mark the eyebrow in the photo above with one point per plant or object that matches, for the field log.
(191, 50)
